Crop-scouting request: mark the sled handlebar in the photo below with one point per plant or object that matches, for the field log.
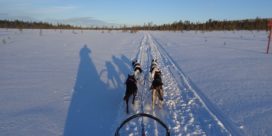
(139, 115)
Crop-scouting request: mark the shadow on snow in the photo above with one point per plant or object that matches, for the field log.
(94, 104)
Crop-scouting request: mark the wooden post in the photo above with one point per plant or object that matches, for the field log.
(269, 36)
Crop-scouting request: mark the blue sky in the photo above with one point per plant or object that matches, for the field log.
(132, 12)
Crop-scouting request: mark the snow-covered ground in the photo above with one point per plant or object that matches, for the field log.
(231, 70)
(64, 82)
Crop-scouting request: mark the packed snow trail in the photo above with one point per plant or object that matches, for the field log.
(134, 127)
(187, 112)
(187, 84)
(183, 110)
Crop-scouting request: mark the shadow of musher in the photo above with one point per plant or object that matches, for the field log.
(90, 103)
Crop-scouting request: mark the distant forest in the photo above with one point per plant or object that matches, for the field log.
(210, 25)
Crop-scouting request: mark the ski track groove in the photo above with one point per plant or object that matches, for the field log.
(183, 110)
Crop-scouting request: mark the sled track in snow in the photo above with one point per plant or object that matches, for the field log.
(134, 126)
(189, 87)
(186, 111)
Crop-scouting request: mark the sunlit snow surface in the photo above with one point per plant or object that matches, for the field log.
(71, 82)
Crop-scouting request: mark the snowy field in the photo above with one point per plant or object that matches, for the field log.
(64, 82)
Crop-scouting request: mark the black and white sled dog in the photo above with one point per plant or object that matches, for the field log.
(153, 68)
(156, 85)
(131, 89)
(131, 83)
(137, 69)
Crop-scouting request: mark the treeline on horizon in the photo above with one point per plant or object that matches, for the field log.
(210, 25)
